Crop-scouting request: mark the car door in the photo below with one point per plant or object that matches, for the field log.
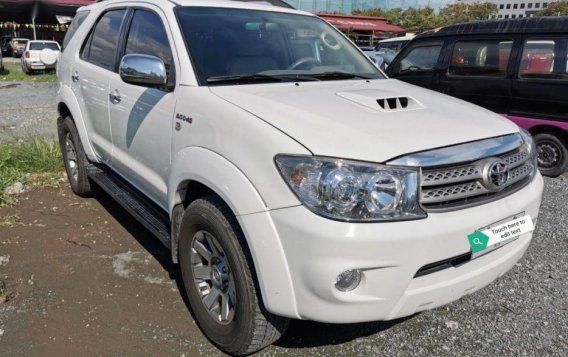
(540, 86)
(419, 63)
(477, 72)
(141, 118)
(91, 75)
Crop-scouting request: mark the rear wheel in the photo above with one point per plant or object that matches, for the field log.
(220, 282)
(552, 154)
(74, 157)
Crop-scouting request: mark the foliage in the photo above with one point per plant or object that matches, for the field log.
(557, 8)
(19, 160)
(462, 12)
(13, 72)
(426, 18)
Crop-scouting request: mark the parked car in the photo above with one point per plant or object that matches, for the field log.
(370, 52)
(517, 68)
(40, 55)
(287, 175)
(17, 46)
(394, 44)
(5, 47)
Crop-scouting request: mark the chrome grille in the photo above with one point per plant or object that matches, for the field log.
(462, 185)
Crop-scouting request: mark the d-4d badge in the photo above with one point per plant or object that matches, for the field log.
(477, 241)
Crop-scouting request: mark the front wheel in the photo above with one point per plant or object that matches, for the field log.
(220, 282)
(552, 154)
(74, 157)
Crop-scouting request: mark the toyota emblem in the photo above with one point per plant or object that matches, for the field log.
(496, 175)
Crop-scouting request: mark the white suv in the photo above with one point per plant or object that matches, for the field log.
(288, 175)
(40, 55)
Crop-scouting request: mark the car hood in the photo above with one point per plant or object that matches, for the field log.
(344, 118)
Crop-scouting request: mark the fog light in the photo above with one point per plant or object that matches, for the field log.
(348, 280)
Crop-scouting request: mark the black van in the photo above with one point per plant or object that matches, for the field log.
(516, 67)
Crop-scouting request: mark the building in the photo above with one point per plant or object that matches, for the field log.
(512, 9)
(363, 30)
(42, 20)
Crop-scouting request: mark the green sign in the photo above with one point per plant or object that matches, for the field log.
(477, 241)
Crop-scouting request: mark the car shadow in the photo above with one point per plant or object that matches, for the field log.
(303, 334)
(300, 334)
(145, 238)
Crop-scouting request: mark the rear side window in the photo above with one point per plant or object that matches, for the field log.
(481, 58)
(147, 36)
(544, 58)
(100, 48)
(75, 24)
(423, 58)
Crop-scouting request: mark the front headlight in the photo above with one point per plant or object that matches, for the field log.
(531, 148)
(352, 191)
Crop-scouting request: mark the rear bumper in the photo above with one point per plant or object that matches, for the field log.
(317, 250)
(37, 65)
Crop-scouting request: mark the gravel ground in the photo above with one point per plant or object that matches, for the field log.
(27, 110)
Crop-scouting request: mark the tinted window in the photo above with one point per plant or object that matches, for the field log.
(101, 46)
(75, 24)
(421, 58)
(147, 36)
(543, 59)
(38, 46)
(481, 58)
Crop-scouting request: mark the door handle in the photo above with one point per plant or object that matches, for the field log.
(75, 77)
(115, 97)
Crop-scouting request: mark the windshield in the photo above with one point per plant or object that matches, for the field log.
(227, 44)
(38, 46)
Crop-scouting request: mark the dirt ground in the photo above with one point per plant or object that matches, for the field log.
(86, 279)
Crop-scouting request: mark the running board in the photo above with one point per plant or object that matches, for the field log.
(145, 211)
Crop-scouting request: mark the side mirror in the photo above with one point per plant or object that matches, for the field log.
(143, 70)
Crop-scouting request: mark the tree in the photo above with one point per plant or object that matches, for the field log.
(557, 8)
(425, 18)
(463, 12)
(411, 18)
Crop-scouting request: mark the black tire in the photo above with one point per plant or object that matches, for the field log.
(552, 154)
(76, 174)
(251, 327)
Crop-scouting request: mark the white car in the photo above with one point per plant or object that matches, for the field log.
(393, 44)
(40, 56)
(289, 177)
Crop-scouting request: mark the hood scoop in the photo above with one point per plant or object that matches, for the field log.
(382, 101)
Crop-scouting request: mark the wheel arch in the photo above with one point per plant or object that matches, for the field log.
(550, 129)
(197, 172)
(67, 105)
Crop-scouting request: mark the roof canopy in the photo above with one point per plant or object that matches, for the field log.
(361, 23)
(21, 11)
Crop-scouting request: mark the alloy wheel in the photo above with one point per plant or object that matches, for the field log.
(71, 155)
(213, 278)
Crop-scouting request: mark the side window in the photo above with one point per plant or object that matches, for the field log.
(544, 58)
(422, 58)
(480, 58)
(100, 48)
(75, 24)
(147, 36)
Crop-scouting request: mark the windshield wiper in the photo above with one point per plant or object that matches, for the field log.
(338, 75)
(242, 79)
(258, 78)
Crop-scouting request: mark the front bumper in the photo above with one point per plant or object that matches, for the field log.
(317, 249)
